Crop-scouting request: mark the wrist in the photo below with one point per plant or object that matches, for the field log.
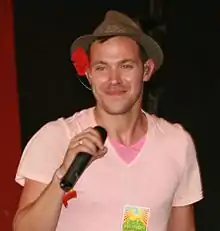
(59, 174)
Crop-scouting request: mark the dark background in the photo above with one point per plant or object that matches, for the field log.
(48, 88)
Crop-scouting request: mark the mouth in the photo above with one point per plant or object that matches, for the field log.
(116, 92)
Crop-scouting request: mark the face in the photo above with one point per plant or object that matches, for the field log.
(117, 74)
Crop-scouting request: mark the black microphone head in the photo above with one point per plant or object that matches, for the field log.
(102, 132)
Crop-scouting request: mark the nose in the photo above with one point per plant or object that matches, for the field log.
(114, 76)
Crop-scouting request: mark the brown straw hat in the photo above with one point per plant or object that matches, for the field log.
(118, 24)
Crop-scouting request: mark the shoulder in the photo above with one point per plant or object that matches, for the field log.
(170, 131)
(55, 135)
(174, 138)
(67, 127)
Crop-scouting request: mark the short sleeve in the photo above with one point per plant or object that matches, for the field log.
(44, 153)
(189, 190)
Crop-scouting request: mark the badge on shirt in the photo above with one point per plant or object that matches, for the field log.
(135, 218)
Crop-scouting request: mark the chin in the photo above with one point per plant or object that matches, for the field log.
(114, 110)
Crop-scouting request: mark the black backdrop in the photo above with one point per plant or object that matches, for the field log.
(48, 88)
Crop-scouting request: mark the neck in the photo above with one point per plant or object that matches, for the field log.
(126, 128)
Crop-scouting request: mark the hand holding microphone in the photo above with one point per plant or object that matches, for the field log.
(84, 148)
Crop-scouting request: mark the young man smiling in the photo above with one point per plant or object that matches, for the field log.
(144, 177)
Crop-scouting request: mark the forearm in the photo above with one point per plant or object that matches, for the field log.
(43, 214)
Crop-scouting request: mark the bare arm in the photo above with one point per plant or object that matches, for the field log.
(182, 219)
(39, 207)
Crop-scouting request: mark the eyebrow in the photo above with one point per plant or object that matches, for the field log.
(121, 62)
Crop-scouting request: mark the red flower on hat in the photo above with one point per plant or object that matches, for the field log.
(80, 61)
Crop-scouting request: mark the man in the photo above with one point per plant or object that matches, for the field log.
(144, 177)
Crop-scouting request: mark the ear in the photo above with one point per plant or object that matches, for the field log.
(149, 67)
(88, 76)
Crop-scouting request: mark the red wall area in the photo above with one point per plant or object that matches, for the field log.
(9, 119)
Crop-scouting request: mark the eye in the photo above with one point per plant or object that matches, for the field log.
(127, 66)
(100, 68)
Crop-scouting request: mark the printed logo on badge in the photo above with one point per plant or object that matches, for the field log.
(135, 218)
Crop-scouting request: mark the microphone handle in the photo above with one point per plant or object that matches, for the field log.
(75, 171)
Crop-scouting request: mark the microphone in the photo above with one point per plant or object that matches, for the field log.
(79, 165)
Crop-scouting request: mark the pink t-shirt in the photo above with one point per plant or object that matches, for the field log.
(165, 173)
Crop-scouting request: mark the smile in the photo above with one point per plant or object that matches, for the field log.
(115, 93)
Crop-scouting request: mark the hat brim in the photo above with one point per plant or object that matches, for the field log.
(150, 46)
